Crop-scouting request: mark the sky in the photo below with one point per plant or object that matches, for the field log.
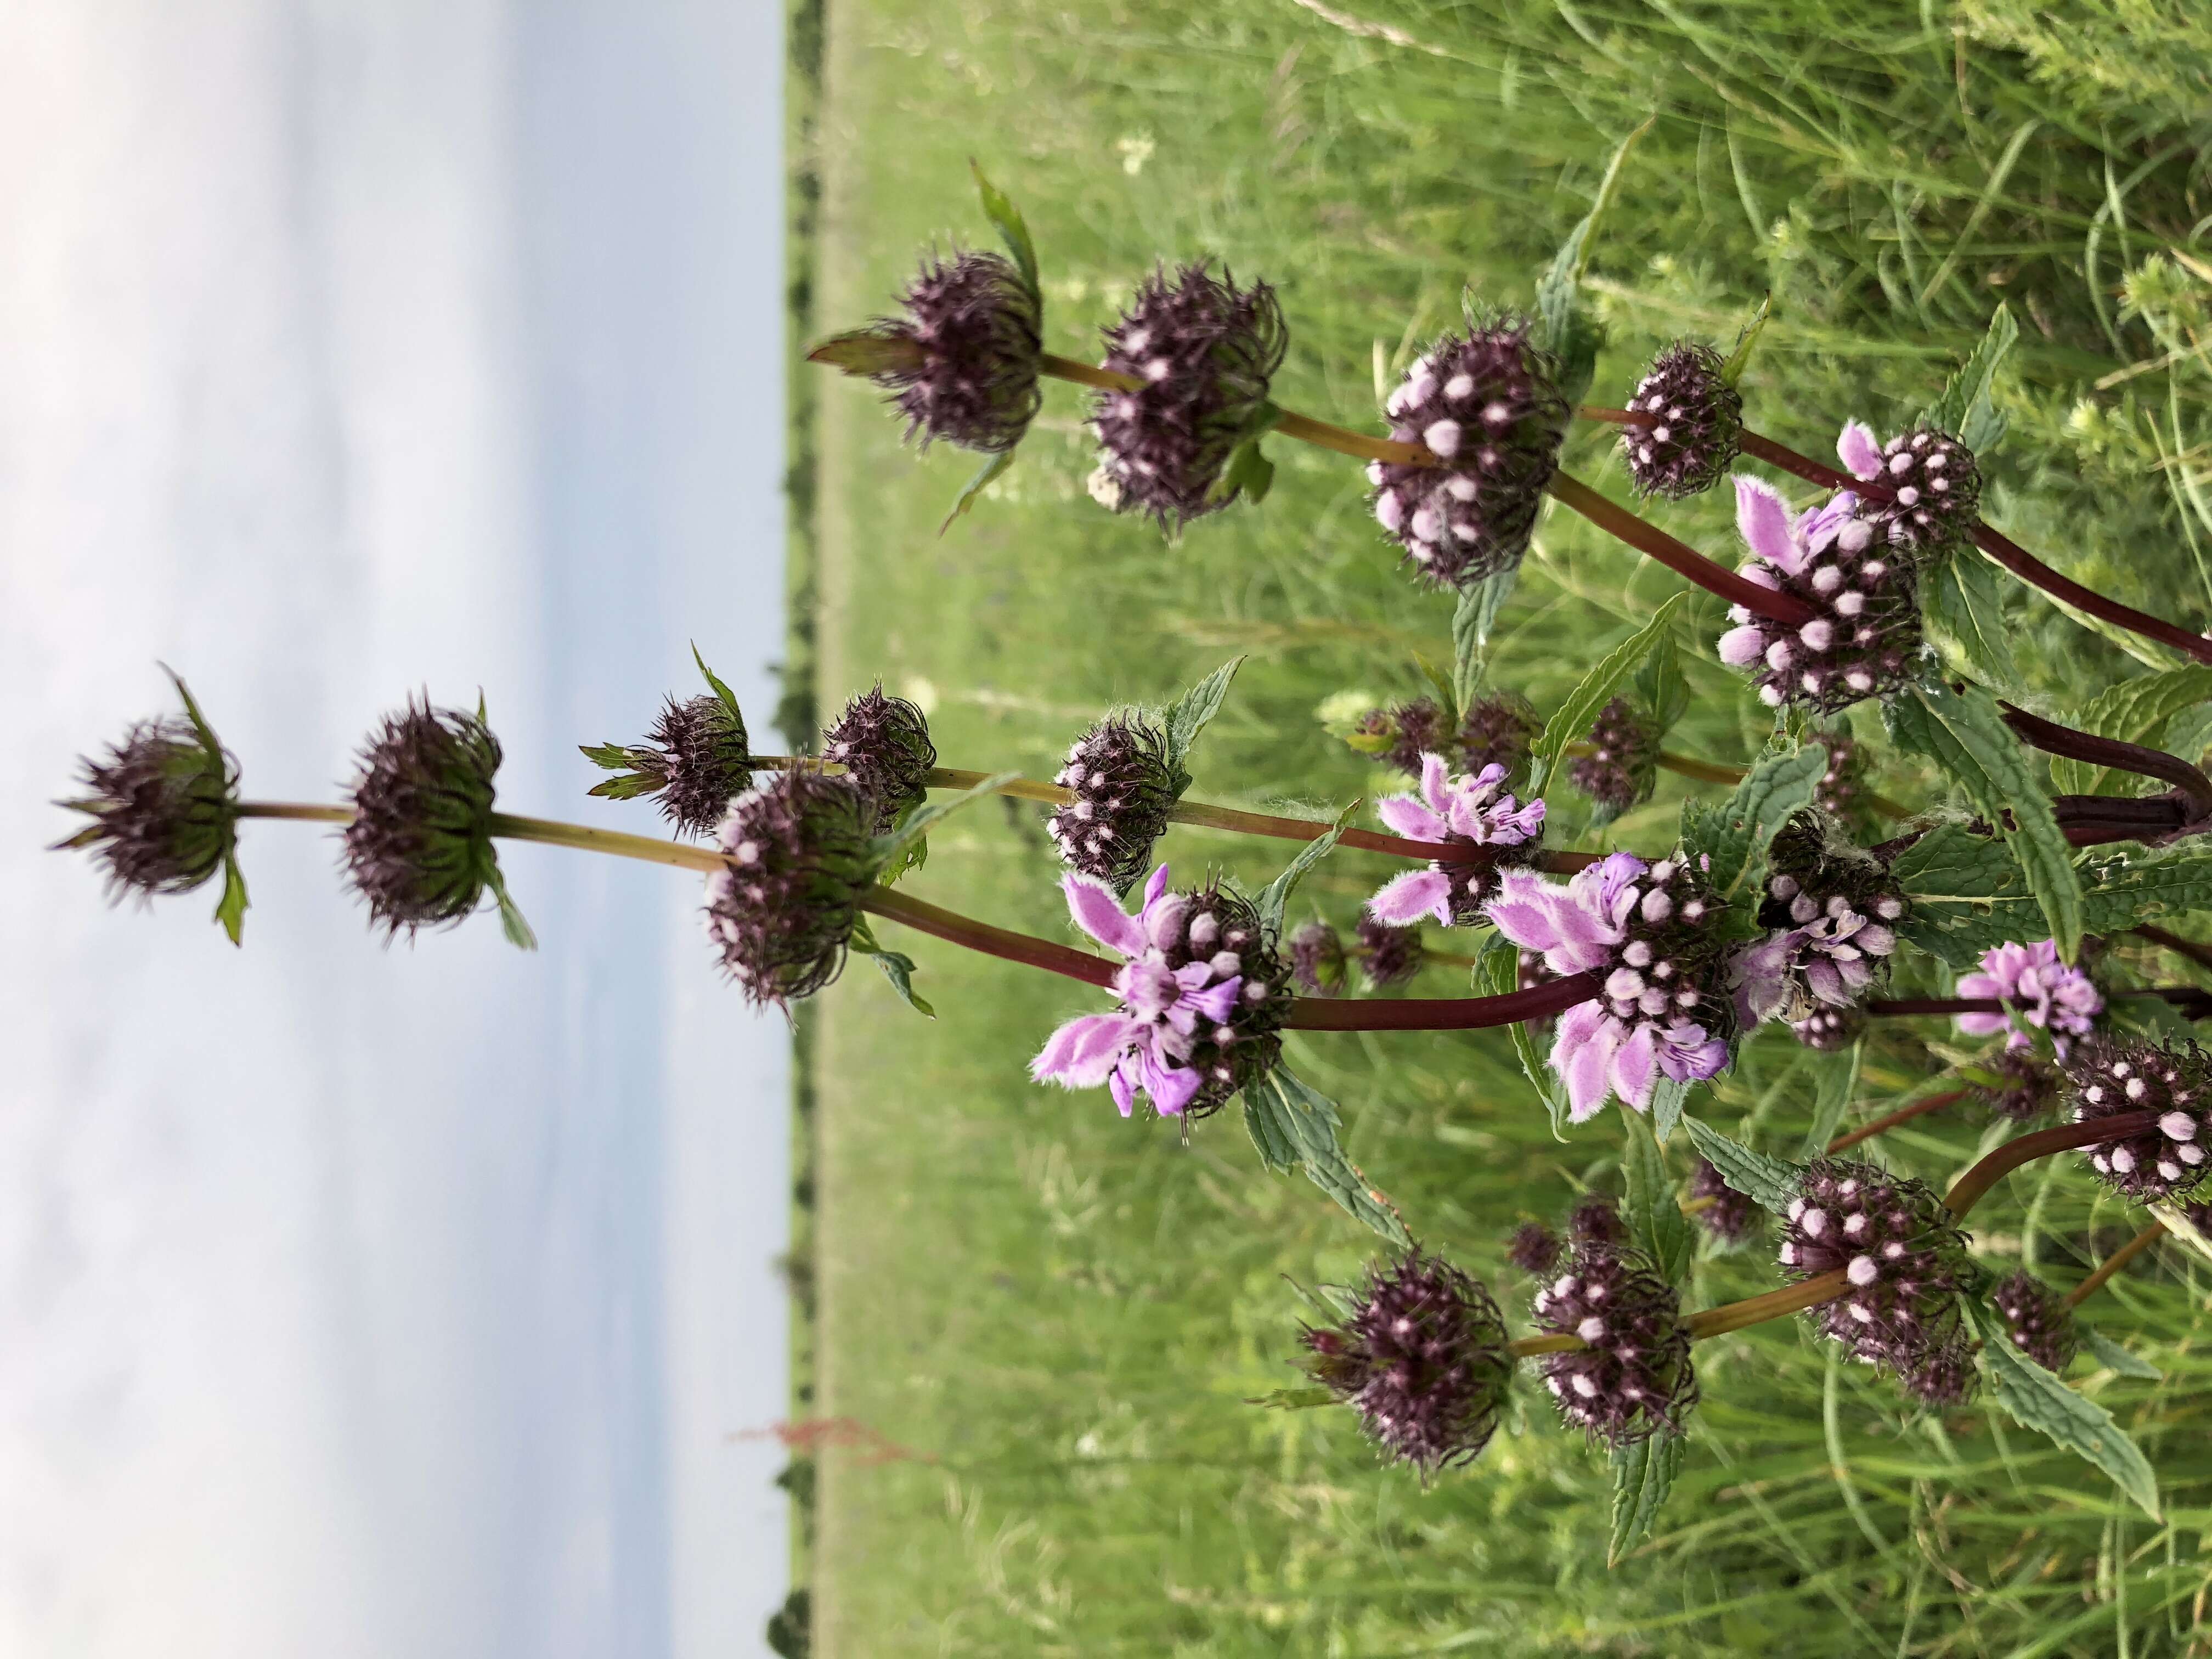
(362, 1299)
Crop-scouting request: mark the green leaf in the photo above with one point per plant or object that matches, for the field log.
(1654, 1219)
(1188, 716)
(1281, 1112)
(510, 915)
(2110, 1354)
(2040, 1400)
(1642, 1475)
(985, 476)
(898, 969)
(628, 787)
(1564, 325)
(230, 909)
(863, 352)
(729, 698)
(1294, 1400)
(1014, 230)
(2133, 711)
(1497, 971)
(1966, 736)
(1836, 1080)
(1472, 618)
(1965, 407)
(1275, 897)
(1596, 690)
(890, 846)
(1248, 473)
(607, 757)
(1962, 602)
(1739, 358)
(1446, 692)
(1667, 1099)
(1735, 835)
(1767, 1182)
(1661, 686)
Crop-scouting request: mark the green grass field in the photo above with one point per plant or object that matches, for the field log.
(1051, 1317)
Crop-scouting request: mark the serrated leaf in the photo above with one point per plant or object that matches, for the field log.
(1739, 357)
(1248, 473)
(898, 969)
(1446, 692)
(607, 757)
(1275, 897)
(1014, 230)
(1576, 714)
(1280, 1111)
(1966, 736)
(1767, 1182)
(2110, 1354)
(1668, 1096)
(2039, 1400)
(1472, 618)
(1497, 971)
(1661, 686)
(863, 353)
(1654, 1220)
(1642, 1475)
(230, 909)
(1965, 407)
(892, 846)
(1735, 835)
(2133, 711)
(973, 490)
(727, 697)
(1962, 602)
(628, 787)
(1836, 1080)
(1188, 714)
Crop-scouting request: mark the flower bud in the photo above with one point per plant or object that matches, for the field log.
(1721, 1211)
(2021, 1087)
(2038, 1320)
(1829, 1031)
(1533, 1248)
(1124, 790)
(883, 743)
(783, 909)
(419, 848)
(1692, 426)
(696, 758)
(1317, 960)
(1935, 491)
(1388, 956)
(1634, 1379)
(1623, 764)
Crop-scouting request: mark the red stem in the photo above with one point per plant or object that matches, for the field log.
(1445, 1013)
(2200, 954)
(1678, 557)
(2063, 740)
(927, 918)
(1903, 1115)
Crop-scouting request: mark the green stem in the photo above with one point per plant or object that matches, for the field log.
(298, 812)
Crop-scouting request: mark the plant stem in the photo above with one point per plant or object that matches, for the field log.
(2199, 953)
(1902, 1115)
(300, 811)
(1968, 1190)
(2000, 547)
(1444, 1013)
(924, 917)
(1304, 427)
(2112, 1263)
(588, 840)
(2063, 740)
(1678, 557)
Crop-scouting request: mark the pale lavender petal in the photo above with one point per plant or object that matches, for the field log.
(1122, 1088)
(1764, 517)
(1522, 911)
(1981, 985)
(1405, 816)
(1100, 915)
(1217, 1002)
(1406, 899)
(1584, 1062)
(1193, 975)
(1741, 647)
(1635, 1068)
(1856, 449)
(1170, 1088)
(1436, 782)
(1826, 982)
(1688, 1055)
(1080, 1053)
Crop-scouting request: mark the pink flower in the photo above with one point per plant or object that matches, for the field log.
(1830, 960)
(1181, 996)
(1449, 808)
(2046, 992)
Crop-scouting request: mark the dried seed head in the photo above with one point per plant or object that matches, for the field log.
(2114, 1076)
(1634, 1378)
(1317, 960)
(2037, 1317)
(1203, 351)
(883, 743)
(783, 909)
(1487, 404)
(1421, 1360)
(1936, 490)
(163, 805)
(1388, 956)
(1124, 790)
(960, 361)
(1692, 424)
(1623, 764)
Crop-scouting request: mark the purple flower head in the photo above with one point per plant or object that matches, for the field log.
(1495, 729)
(1596, 1219)
(1422, 1361)
(1388, 956)
(1903, 1258)
(1634, 1378)
(1203, 352)
(1932, 488)
(1941, 1373)
(2046, 992)
(1623, 759)
(1663, 1008)
(1720, 1209)
(1694, 425)
(1867, 633)
(419, 849)
(1533, 1248)
(782, 911)
(1203, 996)
(1486, 403)
(1829, 1031)
(883, 743)
(1318, 962)
(2116, 1077)
(961, 359)
(2037, 1317)
(1830, 959)
(1124, 790)
(1461, 811)
(2020, 1086)
(163, 805)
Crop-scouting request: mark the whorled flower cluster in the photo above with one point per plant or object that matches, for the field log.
(1623, 762)
(1830, 910)
(782, 911)
(2038, 1320)
(1124, 790)
(1829, 1031)
(1496, 729)
(1533, 1248)
(2020, 1086)
(1388, 956)
(1692, 424)
(960, 360)
(1473, 812)
(1203, 996)
(1422, 1361)
(1203, 352)
(2116, 1077)
(695, 759)
(883, 743)
(1905, 1263)
(1866, 632)
(1653, 930)
(2048, 994)
(419, 847)
(1635, 1378)
(164, 809)
(1929, 488)
(1486, 405)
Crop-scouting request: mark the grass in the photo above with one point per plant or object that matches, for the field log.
(1047, 1319)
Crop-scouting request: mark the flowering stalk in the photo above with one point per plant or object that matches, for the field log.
(2112, 1263)
(1902, 1115)
(2194, 787)
(2000, 547)
(2194, 1002)
(1706, 771)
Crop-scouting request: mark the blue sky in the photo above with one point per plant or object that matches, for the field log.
(354, 1300)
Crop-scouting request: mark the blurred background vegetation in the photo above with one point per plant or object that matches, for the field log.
(1029, 1326)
